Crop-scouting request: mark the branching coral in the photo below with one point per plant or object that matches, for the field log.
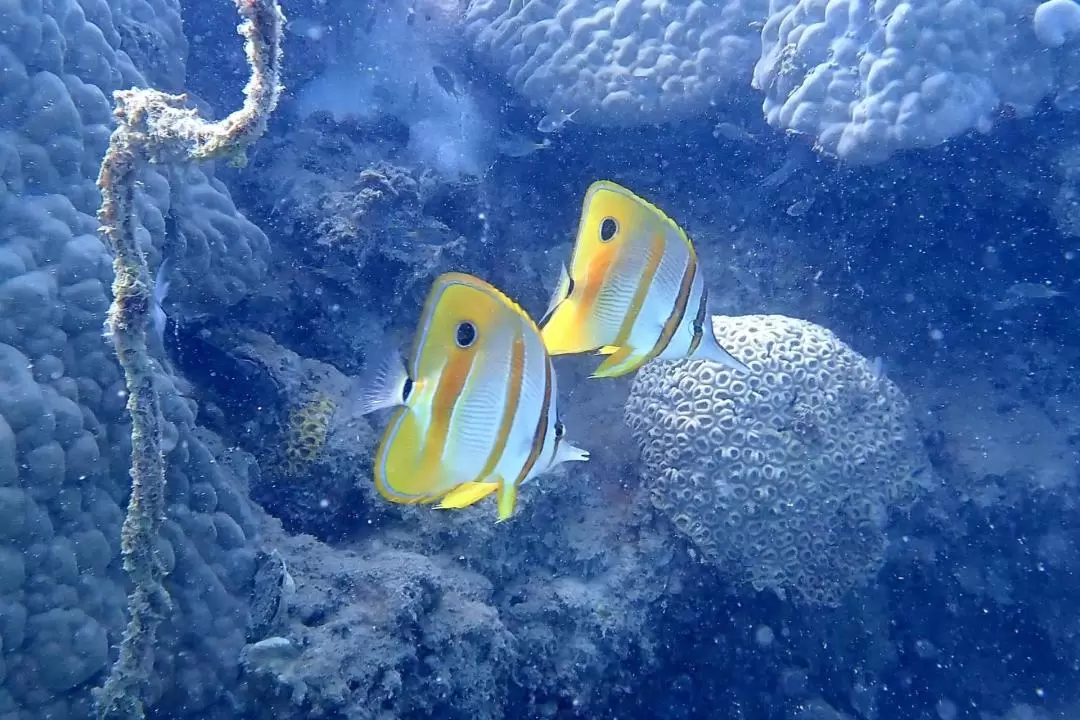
(155, 127)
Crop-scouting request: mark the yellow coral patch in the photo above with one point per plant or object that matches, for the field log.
(306, 432)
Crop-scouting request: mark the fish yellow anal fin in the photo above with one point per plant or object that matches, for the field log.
(507, 500)
(466, 494)
(621, 362)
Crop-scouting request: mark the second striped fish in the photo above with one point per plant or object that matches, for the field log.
(634, 290)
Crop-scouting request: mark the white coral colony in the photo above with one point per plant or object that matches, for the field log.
(786, 475)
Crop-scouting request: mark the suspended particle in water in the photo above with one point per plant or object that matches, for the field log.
(946, 709)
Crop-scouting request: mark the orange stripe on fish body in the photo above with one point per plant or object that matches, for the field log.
(531, 467)
(448, 394)
(510, 406)
(654, 256)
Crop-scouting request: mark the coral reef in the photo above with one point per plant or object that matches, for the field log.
(860, 82)
(423, 617)
(787, 474)
(362, 234)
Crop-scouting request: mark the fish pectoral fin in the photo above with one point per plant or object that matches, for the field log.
(467, 494)
(608, 350)
(619, 363)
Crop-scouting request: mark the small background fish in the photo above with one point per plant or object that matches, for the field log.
(1025, 292)
(554, 121)
(518, 146)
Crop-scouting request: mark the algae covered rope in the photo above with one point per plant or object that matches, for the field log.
(155, 127)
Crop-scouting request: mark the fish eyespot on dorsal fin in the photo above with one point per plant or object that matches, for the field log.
(560, 430)
(406, 389)
(609, 228)
(465, 334)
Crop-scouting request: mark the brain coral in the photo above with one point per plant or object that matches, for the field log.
(865, 79)
(619, 63)
(784, 476)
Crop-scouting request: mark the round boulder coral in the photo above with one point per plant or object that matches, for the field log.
(625, 63)
(864, 80)
(784, 476)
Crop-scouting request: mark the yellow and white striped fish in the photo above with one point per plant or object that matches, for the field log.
(476, 403)
(634, 290)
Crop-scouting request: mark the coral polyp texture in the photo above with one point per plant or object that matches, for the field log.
(784, 476)
(306, 433)
(626, 63)
(866, 79)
